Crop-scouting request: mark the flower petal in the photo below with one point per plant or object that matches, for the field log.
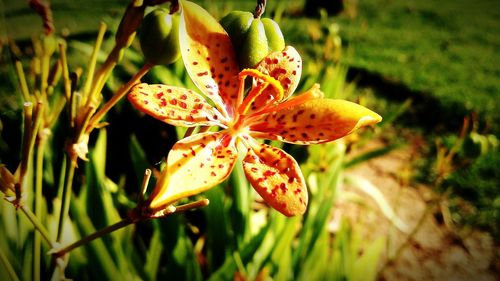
(284, 66)
(209, 56)
(276, 176)
(174, 105)
(195, 164)
(314, 121)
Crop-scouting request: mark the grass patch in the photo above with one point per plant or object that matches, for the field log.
(446, 49)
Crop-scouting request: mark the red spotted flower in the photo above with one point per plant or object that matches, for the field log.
(268, 111)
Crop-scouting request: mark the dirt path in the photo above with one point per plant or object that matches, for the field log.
(434, 253)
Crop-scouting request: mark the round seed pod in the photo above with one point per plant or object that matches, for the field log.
(252, 38)
(159, 37)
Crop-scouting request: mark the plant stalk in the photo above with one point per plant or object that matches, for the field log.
(117, 96)
(38, 204)
(121, 224)
(37, 224)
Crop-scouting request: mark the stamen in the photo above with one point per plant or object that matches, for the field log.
(266, 78)
(254, 93)
(259, 89)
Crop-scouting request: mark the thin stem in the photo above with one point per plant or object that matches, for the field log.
(22, 81)
(116, 97)
(93, 61)
(32, 126)
(102, 74)
(8, 267)
(121, 224)
(65, 71)
(38, 204)
(66, 196)
(37, 224)
(144, 185)
(259, 10)
(193, 205)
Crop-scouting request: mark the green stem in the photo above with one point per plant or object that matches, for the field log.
(31, 129)
(22, 81)
(121, 224)
(38, 205)
(116, 97)
(66, 196)
(37, 224)
(8, 267)
(93, 60)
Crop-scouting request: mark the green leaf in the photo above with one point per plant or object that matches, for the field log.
(153, 255)
(219, 242)
(365, 267)
(98, 254)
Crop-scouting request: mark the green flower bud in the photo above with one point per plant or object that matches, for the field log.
(159, 37)
(253, 38)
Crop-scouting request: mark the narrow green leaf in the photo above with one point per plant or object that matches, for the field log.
(153, 255)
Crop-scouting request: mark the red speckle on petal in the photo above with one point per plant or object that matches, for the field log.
(283, 187)
(269, 173)
(183, 104)
(202, 73)
(213, 174)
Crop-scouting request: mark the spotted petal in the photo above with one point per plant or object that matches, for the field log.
(174, 105)
(208, 55)
(314, 121)
(284, 66)
(194, 165)
(276, 176)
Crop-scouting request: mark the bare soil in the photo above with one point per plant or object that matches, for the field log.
(430, 250)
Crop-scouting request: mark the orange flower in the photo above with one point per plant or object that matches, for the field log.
(201, 161)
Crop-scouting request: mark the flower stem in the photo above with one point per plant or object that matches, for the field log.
(259, 10)
(93, 60)
(121, 224)
(67, 189)
(37, 224)
(38, 204)
(22, 81)
(116, 97)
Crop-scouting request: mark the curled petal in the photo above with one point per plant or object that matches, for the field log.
(314, 121)
(208, 55)
(174, 105)
(284, 66)
(195, 164)
(276, 176)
